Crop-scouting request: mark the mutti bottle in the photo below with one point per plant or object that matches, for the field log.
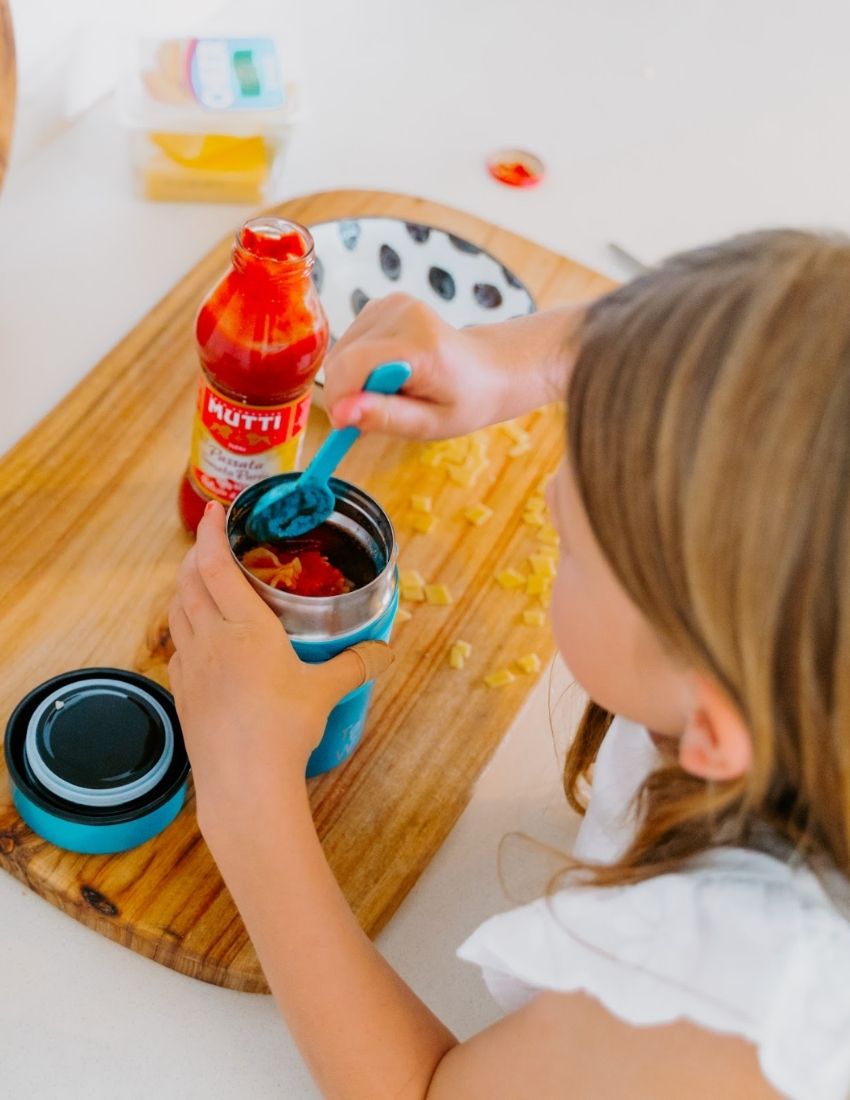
(261, 335)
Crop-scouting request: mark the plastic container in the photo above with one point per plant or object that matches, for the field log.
(209, 118)
(320, 627)
(96, 760)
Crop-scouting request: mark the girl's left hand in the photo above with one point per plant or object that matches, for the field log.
(251, 711)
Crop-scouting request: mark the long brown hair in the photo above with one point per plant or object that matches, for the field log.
(709, 435)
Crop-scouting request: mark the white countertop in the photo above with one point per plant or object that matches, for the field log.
(661, 124)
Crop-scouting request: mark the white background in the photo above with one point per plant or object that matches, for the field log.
(662, 123)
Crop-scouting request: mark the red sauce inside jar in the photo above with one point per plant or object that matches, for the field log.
(325, 562)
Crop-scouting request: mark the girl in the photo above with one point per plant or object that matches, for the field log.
(697, 946)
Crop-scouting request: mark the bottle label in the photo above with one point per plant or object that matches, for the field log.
(234, 445)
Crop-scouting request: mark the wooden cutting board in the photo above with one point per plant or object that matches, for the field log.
(91, 546)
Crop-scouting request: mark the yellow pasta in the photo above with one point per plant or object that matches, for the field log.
(529, 663)
(455, 658)
(422, 523)
(499, 678)
(420, 504)
(536, 585)
(533, 616)
(542, 565)
(438, 594)
(478, 514)
(510, 578)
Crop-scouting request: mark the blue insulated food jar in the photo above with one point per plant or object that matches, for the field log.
(96, 760)
(322, 626)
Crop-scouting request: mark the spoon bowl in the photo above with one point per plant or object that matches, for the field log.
(287, 511)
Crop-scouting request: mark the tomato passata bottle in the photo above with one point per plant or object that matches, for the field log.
(261, 334)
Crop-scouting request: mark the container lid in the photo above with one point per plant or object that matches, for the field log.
(99, 742)
(214, 85)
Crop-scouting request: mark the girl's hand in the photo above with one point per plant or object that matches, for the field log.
(462, 379)
(447, 364)
(250, 709)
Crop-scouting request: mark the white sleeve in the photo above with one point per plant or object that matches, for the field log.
(740, 947)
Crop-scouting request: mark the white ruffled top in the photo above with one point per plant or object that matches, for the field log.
(740, 943)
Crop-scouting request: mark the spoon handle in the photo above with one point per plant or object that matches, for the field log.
(388, 378)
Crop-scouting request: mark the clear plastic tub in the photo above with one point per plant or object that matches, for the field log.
(209, 118)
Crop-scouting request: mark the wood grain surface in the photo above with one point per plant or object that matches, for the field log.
(8, 85)
(92, 543)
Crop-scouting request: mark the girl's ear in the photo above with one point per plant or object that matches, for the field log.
(716, 743)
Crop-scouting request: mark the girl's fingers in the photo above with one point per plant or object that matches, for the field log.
(175, 677)
(353, 667)
(408, 417)
(178, 624)
(227, 586)
(197, 604)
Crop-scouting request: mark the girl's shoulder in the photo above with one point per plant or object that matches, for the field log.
(740, 943)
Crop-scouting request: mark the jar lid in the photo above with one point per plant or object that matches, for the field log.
(96, 746)
(99, 742)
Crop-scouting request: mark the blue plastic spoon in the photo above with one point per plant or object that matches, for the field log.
(286, 511)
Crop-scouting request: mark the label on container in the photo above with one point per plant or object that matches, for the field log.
(234, 445)
(227, 74)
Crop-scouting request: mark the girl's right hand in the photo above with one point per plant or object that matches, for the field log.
(462, 379)
(454, 387)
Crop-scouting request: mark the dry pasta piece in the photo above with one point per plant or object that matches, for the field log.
(536, 585)
(548, 535)
(420, 504)
(519, 449)
(514, 431)
(456, 659)
(549, 552)
(510, 578)
(438, 594)
(478, 514)
(499, 678)
(423, 523)
(429, 456)
(403, 615)
(464, 475)
(260, 557)
(413, 593)
(529, 663)
(456, 450)
(411, 576)
(535, 504)
(533, 519)
(533, 616)
(542, 565)
(464, 648)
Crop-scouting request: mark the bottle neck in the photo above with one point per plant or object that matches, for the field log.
(274, 249)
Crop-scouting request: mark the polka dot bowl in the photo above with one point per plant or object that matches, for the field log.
(358, 259)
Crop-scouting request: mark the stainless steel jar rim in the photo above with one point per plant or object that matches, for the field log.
(321, 618)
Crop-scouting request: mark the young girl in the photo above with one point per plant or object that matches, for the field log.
(698, 947)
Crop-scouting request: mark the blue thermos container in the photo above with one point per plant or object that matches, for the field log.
(322, 626)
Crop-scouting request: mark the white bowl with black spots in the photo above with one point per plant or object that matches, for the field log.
(358, 259)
